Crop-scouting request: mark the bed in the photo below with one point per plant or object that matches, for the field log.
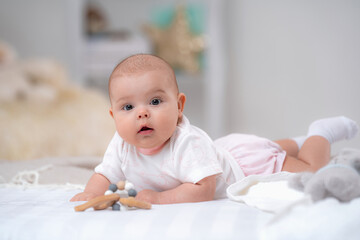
(42, 114)
(34, 204)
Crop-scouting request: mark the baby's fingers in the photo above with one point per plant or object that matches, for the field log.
(82, 197)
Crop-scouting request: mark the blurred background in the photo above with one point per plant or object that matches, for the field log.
(253, 66)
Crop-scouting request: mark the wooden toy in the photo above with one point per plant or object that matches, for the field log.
(131, 202)
(99, 203)
(111, 199)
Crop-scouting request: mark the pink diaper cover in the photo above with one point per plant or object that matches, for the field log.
(255, 155)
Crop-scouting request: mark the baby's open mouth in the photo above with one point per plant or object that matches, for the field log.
(145, 129)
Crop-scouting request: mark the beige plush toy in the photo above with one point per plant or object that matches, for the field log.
(42, 114)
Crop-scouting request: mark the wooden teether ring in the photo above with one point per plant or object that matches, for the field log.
(132, 202)
(99, 203)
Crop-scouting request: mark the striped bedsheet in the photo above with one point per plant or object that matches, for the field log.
(46, 213)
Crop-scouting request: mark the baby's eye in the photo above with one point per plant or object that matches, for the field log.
(155, 101)
(128, 107)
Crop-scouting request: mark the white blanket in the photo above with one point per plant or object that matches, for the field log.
(295, 215)
(328, 219)
(46, 213)
(267, 192)
(263, 207)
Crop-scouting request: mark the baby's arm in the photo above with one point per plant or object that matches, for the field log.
(203, 190)
(96, 186)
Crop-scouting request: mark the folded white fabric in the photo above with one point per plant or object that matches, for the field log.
(327, 219)
(266, 192)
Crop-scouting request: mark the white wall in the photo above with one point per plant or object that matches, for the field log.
(290, 61)
(293, 62)
(43, 28)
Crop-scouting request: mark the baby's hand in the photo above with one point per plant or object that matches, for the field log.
(148, 195)
(84, 196)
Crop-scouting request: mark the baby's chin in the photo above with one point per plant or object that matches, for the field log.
(147, 142)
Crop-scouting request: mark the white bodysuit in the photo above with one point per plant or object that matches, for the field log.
(189, 156)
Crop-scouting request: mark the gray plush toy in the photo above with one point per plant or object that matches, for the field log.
(340, 179)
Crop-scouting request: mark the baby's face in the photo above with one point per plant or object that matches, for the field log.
(146, 107)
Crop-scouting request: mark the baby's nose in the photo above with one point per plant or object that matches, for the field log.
(143, 114)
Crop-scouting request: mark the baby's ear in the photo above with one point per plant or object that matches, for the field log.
(111, 112)
(181, 103)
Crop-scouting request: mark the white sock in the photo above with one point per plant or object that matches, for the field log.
(299, 140)
(334, 129)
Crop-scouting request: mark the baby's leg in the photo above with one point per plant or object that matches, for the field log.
(290, 146)
(294, 161)
(314, 150)
(314, 154)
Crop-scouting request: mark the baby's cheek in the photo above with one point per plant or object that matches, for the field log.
(169, 123)
(126, 130)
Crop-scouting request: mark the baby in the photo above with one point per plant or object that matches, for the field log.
(170, 161)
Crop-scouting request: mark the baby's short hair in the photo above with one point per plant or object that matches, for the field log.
(140, 63)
